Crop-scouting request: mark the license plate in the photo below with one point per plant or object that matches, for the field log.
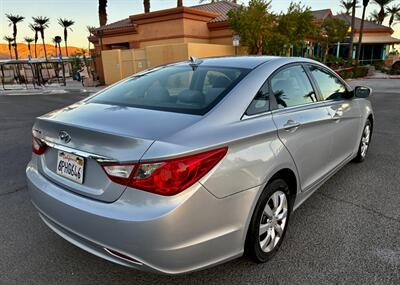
(70, 166)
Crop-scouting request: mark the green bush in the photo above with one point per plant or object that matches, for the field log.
(380, 65)
(360, 71)
(395, 69)
(353, 72)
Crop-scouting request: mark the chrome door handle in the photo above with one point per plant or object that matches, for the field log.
(291, 125)
(338, 114)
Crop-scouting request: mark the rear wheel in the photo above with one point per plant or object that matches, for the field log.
(364, 143)
(269, 222)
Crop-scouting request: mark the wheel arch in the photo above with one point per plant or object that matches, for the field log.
(371, 119)
(290, 178)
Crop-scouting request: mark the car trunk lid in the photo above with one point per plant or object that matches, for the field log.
(99, 133)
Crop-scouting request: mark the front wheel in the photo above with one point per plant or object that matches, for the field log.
(269, 222)
(364, 143)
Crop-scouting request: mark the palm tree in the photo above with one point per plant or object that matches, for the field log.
(347, 5)
(179, 3)
(36, 29)
(146, 4)
(9, 40)
(66, 24)
(374, 17)
(14, 20)
(57, 44)
(91, 30)
(29, 40)
(392, 11)
(382, 13)
(42, 23)
(353, 23)
(102, 12)
(365, 4)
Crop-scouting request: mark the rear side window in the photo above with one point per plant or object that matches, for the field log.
(260, 102)
(174, 89)
(331, 87)
(291, 87)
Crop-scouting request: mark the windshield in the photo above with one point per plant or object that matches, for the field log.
(174, 88)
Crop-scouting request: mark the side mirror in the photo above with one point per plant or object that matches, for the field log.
(361, 92)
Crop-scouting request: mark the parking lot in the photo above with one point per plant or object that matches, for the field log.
(347, 232)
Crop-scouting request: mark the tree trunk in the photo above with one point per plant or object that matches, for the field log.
(66, 48)
(44, 48)
(66, 41)
(15, 40)
(10, 50)
(103, 12)
(381, 16)
(353, 19)
(361, 34)
(326, 53)
(16, 48)
(146, 4)
(59, 48)
(35, 50)
(179, 3)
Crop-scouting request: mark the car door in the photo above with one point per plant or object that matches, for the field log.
(345, 113)
(304, 124)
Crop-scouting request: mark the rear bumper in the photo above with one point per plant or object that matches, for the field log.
(172, 235)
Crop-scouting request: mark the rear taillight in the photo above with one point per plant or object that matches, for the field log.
(38, 147)
(167, 177)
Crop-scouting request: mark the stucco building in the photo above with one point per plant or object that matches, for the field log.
(140, 41)
(376, 40)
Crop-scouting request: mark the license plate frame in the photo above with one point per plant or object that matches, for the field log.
(70, 166)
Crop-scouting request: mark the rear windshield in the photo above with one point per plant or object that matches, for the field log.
(182, 89)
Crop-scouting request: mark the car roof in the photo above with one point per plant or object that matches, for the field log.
(249, 62)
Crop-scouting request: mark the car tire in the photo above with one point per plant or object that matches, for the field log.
(259, 245)
(364, 142)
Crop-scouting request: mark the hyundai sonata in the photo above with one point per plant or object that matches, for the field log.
(192, 164)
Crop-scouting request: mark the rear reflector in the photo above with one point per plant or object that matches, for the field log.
(168, 177)
(38, 147)
(122, 256)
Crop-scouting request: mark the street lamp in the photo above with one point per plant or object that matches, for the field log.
(236, 42)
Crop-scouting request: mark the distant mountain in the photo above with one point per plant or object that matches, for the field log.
(23, 51)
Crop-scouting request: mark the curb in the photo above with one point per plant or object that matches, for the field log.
(371, 78)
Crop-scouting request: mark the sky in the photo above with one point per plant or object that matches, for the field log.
(85, 13)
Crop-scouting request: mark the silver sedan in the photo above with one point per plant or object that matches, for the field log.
(188, 165)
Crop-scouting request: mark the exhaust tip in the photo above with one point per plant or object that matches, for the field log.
(122, 256)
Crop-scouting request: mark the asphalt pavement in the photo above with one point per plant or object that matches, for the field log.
(348, 232)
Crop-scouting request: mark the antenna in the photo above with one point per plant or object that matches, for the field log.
(194, 62)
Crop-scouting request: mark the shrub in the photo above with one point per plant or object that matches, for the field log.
(395, 69)
(360, 71)
(380, 65)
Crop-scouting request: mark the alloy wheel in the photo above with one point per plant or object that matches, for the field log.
(273, 221)
(365, 140)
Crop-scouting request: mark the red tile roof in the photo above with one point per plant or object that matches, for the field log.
(125, 23)
(320, 15)
(368, 25)
(221, 7)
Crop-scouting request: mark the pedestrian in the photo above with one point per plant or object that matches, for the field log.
(83, 73)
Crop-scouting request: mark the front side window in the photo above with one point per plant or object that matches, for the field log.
(331, 87)
(180, 89)
(291, 87)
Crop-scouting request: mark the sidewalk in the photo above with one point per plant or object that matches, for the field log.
(380, 75)
(51, 89)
